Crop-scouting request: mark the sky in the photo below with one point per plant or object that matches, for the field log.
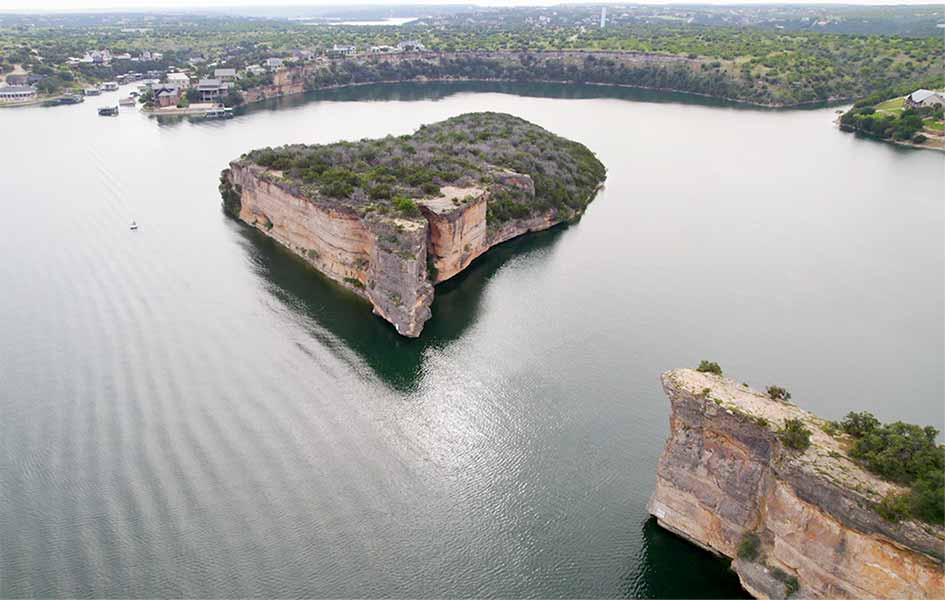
(75, 5)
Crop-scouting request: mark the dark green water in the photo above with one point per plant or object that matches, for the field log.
(187, 410)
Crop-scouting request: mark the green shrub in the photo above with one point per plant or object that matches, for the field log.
(859, 424)
(919, 138)
(894, 507)
(795, 435)
(406, 206)
(706, 366)
(789, 581)
(778, 393)
(906, 454)
(749, 546)
(355, 282)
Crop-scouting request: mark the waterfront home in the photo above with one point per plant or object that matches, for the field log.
(110, 86)
(15, 94)
(18, 79)
(212, 90)
(411, 46)
(227, 75)
(255, 70)
(921, 98)
(273, 64)
(303, 55)
(383, 49)
(166, 95)
(340, 51)
(181, 80)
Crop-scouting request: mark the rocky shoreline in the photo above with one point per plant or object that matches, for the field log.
(726, 479)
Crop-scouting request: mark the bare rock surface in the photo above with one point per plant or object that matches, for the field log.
(725, 474)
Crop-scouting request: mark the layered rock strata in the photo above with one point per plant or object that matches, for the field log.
(390, 261)
(725, 477)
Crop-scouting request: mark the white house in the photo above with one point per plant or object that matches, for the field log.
(16, 93)
(339, 50)
(181, 80)
(224, 74)
(273, 64)
(924, 98)
(411, 46)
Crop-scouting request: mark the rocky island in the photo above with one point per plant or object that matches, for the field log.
(794, 500)
(392, 217)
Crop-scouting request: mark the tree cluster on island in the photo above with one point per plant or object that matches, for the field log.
(474, 151)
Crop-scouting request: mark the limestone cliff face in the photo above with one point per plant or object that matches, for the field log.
(724, 473)
(381, 258)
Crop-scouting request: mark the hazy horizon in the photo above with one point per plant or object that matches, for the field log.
(37, 6)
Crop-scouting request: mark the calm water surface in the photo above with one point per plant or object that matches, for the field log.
(187, 410)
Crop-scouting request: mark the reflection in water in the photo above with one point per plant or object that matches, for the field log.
(341, 315)
(658, 571)
(437, 90)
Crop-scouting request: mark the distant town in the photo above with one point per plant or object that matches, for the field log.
(208, 64)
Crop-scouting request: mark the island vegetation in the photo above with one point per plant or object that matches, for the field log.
(471, 151)
(903, 453)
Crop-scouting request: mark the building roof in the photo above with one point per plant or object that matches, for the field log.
(224, 73)
(167, 90)
(921, 95)
(16, 89)
(209, 83)
(178, 77)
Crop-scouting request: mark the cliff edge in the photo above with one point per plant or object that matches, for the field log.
(804, 521)
(392, 217)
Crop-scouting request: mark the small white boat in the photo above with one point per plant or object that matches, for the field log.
(133, 226)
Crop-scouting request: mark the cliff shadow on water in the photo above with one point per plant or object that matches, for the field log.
(671, 567)
(340, 315)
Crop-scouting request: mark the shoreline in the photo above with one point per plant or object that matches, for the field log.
(903, 143)
(745, 103)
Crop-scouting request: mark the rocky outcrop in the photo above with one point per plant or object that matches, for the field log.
(725, 479)
(392, 262)
(381, 259)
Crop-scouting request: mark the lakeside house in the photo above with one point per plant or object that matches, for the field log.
(212, 90)
(273, 64)
(383, 49)
(255, 70)
(227, 75)
(411, 46)
(340, 50)
(181, 80)
(18, 79)
(924, 98)
(15, 94)
(110, 86)
(166, 95)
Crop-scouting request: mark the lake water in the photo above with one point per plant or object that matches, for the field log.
(188, 410)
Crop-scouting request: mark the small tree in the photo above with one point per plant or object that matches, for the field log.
(795, 435)
(859, 424)
(748, 546)
(706, 366)
(778, 393)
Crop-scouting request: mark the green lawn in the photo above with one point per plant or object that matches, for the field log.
(893, 105)
(936, 124)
